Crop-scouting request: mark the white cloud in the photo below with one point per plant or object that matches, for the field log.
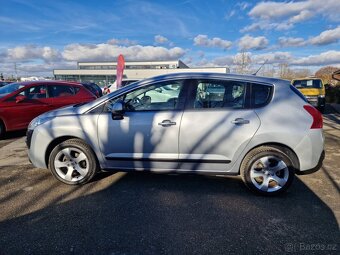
(31, 52)
(273, 57)
(125, 42)
(248, 42)
(229, 15)
(326, 37)
(159, 39)
(284, 15)
(325, 58)
(243, 5)
(292, 42)
(223, 61)
(203, 40)
(103, 51)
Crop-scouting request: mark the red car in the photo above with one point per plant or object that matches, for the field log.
(21, 102)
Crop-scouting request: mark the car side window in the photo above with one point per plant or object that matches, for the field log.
(155, 97)
(61, 91)
(260, 94)
(219, 94)
(35, 92)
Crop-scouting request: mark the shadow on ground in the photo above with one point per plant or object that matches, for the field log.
(144, 213)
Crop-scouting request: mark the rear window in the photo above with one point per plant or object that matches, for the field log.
(62, 90)
(260, 95)
(312, 83)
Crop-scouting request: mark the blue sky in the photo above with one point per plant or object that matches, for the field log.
(42, 35)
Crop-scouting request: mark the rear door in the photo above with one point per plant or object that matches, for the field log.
(63, 94)
(216, 126)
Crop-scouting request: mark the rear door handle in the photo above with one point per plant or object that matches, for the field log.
(240, 121)
(167, 123)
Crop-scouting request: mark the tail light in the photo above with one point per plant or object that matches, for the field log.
(317, 117)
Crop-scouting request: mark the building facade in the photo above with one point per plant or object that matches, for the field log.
(104, 73)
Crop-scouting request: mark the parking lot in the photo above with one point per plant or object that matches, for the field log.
(145, 213)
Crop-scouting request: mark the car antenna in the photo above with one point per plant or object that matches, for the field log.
(260, 67)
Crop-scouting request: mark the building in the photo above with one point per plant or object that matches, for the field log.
(104, 73)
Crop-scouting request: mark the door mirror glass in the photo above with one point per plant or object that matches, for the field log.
(20, 98)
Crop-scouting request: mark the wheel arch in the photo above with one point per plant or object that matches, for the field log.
(286, 149)
(59, 140)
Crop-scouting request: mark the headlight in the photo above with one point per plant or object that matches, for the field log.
(321, 96)
(38, 121)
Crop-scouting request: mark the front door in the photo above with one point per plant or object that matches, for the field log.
(147, 136)
(35, 103)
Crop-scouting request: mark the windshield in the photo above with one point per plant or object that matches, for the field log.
(313, 84)
(5, 90)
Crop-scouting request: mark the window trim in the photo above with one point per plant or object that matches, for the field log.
(183, 94)
(191, 95)
(251, 101)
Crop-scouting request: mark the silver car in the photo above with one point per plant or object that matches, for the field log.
(260, 128)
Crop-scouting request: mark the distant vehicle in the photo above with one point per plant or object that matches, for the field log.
(3, 83)
(94, 88)
(260, 128)
(113, 86)
(313, 89)
(21, 102)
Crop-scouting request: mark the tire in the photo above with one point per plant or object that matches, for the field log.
(267, 171)
(73, 162)
(2, 129)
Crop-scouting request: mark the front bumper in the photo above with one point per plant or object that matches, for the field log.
(316, 101)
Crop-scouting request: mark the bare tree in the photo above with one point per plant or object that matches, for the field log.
(242, 61)
(325, 73)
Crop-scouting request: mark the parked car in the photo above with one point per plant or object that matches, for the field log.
(22, 102)
(94, 88)
(313, 89)
(113, 87)
(3, 83)
(260, 128)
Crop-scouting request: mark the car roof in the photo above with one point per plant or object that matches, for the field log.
(26, 83)
(204, 75)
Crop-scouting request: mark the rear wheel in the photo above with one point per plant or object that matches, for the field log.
(73, 162)
(267, 170)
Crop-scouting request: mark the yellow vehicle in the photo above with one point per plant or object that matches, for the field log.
(313, 89)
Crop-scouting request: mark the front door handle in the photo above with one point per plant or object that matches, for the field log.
(240, 121)
(167, 123)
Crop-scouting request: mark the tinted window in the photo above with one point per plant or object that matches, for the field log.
(156, 97)
(219, 94)
(312, 83)
(260, 94)
(61, 91)
(35, 92)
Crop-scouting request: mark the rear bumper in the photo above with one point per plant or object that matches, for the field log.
(314, 169)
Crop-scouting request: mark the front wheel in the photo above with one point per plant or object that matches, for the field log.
(73, 162)
(267, 171)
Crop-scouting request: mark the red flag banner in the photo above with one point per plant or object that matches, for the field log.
(120, 70)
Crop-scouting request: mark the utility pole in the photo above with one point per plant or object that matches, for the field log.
(15, 71)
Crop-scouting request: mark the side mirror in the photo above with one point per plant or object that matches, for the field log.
(20, 98)
(159, 90)
(117, 111)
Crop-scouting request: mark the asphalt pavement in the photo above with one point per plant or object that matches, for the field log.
(145, 213)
